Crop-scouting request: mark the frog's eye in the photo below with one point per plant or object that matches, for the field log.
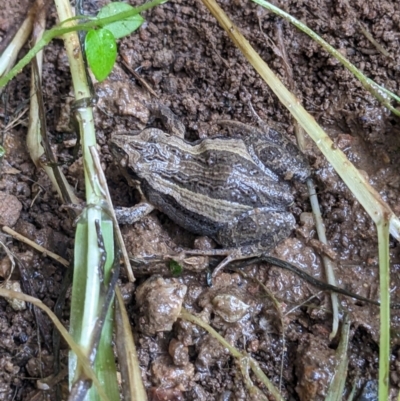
(117, 149)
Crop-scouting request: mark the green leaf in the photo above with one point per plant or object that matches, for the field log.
(101, 52)
(175, 268)
(120, 28)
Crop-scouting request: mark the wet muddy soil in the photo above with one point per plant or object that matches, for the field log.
(194, 69)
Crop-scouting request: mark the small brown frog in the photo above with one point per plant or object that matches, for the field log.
(233, 189)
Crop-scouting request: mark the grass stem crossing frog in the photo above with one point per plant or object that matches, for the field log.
(233, 189)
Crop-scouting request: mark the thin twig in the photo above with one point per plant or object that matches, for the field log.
(39, 248)
(117, 230)
(368, 35)
(138, 77)
(319, 224)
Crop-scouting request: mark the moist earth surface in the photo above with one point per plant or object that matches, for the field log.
(193, 68)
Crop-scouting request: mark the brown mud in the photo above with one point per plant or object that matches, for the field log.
(195, 70)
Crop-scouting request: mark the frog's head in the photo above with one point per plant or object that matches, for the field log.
(119, 146)
(134, 154)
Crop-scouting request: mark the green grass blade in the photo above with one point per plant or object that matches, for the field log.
(86, 303)
(336, 387)
(384, 284)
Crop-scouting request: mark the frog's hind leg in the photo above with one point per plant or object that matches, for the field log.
(253, 233)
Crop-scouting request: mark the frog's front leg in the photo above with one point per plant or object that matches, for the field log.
(251, 234)
(130, 215)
